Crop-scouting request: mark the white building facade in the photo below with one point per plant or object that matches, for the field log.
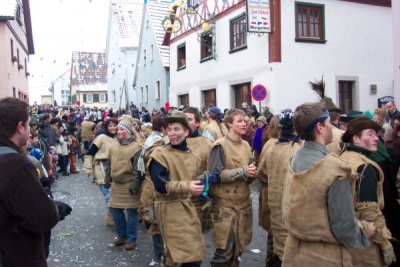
(151, 80)
(396, 50)
(60, 90)
(354, 58)
(124, 24)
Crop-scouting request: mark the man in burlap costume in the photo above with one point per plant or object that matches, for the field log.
(201, 146)
(232, 214)
(172, 168)
(264, 212)
(87, 133)
(317, 201)
(334, 113)
(122, 171)
(277, 159)
(96, 157)
(157, 137)
(215, 129)
(362, 136)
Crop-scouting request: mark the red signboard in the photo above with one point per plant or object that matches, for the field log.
(259, 92)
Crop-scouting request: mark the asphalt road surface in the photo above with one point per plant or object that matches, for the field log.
(84, 239)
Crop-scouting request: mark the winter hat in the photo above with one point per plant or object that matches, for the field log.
(53, 121)
(64, 133)
(126, 122)
(357, 125)
(33, 121)
(36, 153)
(253, 107)
(381, 112)
(286, 120)
(214, 110)
(262, 119)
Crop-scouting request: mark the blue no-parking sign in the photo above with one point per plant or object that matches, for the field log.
(259, 92)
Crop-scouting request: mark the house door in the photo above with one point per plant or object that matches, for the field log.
(242, 94)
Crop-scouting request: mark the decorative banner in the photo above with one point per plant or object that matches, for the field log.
(258, 16)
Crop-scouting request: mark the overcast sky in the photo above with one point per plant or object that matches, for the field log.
(60, 27)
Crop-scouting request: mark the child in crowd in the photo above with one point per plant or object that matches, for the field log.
(73, 150)
(54, 160)
(65, 142)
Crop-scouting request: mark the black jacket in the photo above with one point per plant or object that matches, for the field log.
(26, 211)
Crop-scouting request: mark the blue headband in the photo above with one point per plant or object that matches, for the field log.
(310, 128)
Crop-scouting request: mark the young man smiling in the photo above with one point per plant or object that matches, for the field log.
(362, 136)
(173, 169)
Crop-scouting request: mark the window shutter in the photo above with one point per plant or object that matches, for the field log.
(96, 98)
(106, 97)
(84, 98)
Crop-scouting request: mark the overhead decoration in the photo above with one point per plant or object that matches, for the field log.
(206, 30)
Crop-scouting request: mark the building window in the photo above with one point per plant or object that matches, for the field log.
(114, 97)
(19, 16)
(184, 100)
(147, 93)
(238, 33)
(14, 92)
(210, 97)
(346, 95)
(144, 57)
(18, 56)
(182, 56)
(89, 98)
(310, 23)
(242, 94)
(141, 95)
(158, 90)
(206, 45)
(102, 98)
(151, 52)
(13, 58)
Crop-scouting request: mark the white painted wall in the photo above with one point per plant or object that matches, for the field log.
(355, 47)
(396, 46)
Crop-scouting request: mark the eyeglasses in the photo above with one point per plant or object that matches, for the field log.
(371, 135)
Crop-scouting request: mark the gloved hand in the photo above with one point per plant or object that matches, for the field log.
(387, 252)
(63, 209)
(214, 178)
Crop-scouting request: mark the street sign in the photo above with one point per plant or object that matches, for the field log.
(259, 92)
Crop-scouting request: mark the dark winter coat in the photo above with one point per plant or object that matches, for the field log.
(26, 211)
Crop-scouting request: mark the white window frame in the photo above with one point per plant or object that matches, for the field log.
(158, 90)
(144, 57)
(151, 52)
(87, 98)
(102, 96)
(147, 93)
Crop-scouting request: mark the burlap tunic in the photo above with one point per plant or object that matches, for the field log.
(103, 143)
(370, 256)
(87, 130)
(201, 146)
(278, 160)
(305, 214)
(334, 146)
(264, 212)
(120, 157)
(177, 217)
(216, 130)
(233, 204)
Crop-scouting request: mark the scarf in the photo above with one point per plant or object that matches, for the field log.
(151, 139)
(257, 141)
